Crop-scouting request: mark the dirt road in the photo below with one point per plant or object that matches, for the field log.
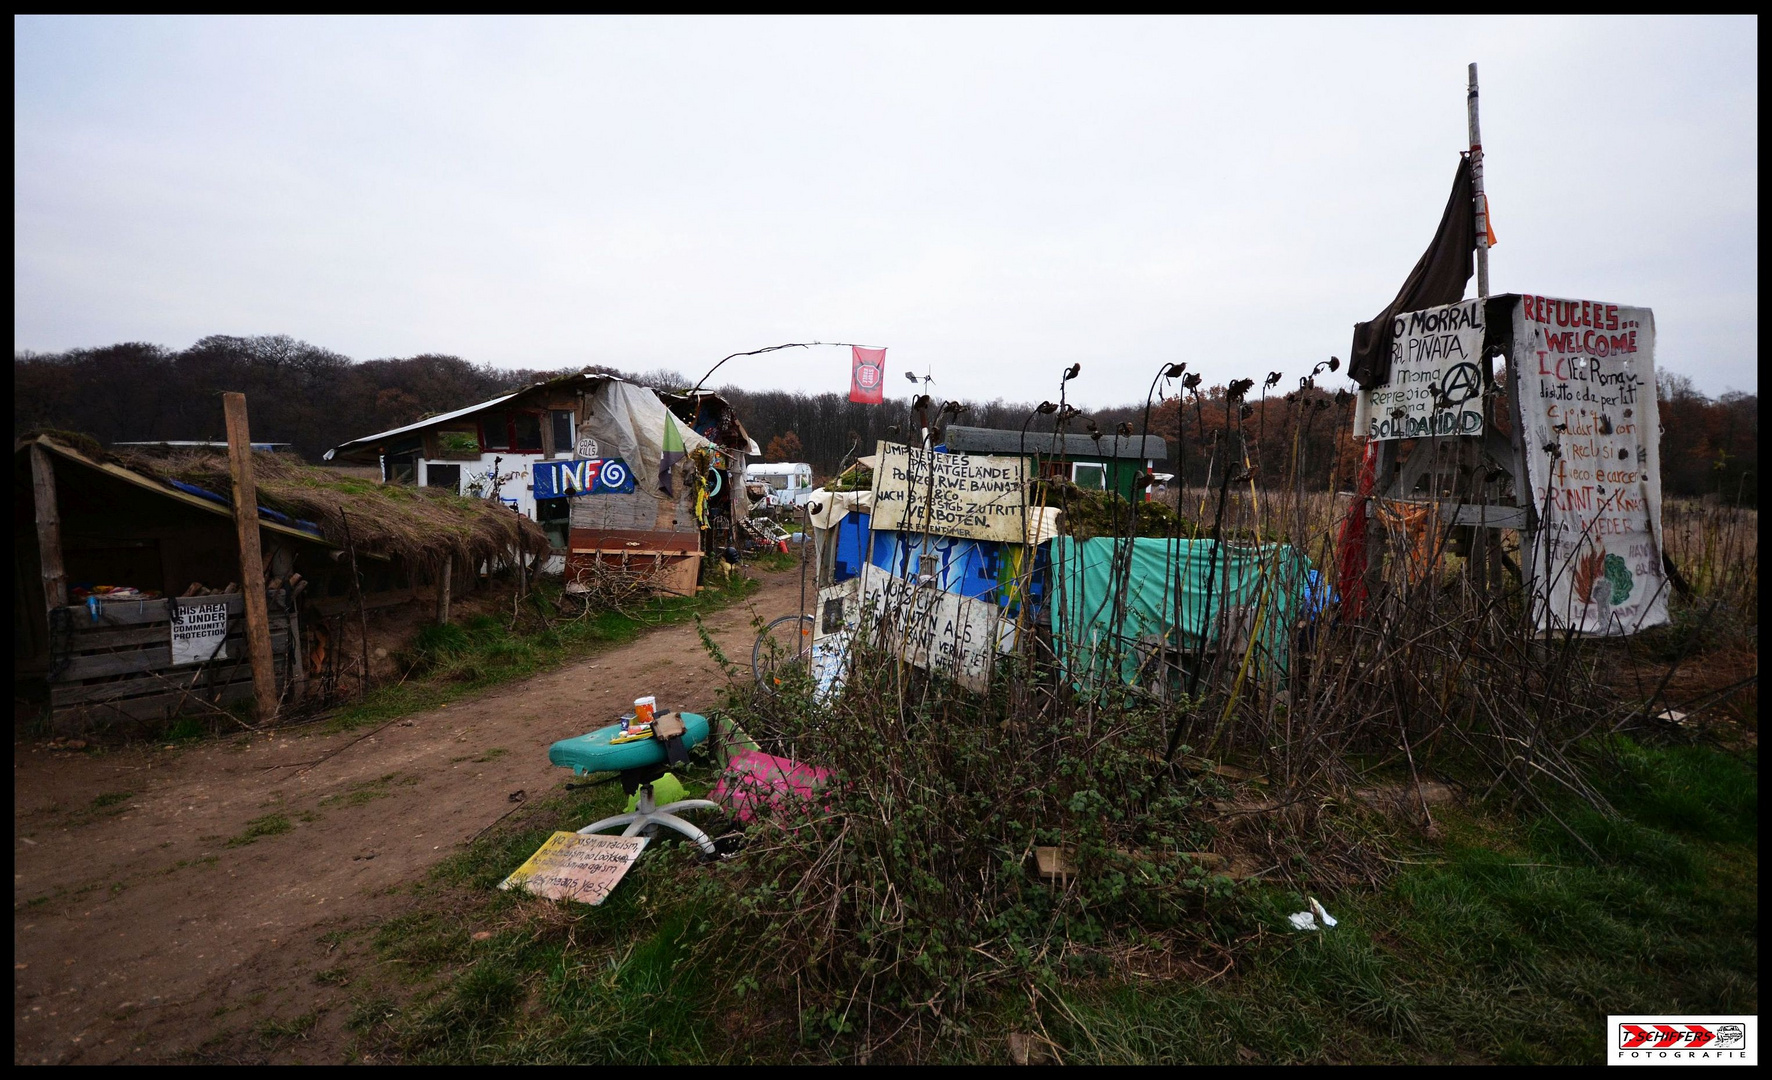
(139, 932)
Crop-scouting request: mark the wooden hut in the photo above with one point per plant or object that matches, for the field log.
(617, 475)
(121, 561)
(1110, 463)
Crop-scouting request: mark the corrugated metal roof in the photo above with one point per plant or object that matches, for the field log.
(977, 440)
(213, 444)
(443, 418)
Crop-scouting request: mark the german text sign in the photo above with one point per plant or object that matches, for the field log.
(1586, 390)
(973, 495)
(932, 628)
(198, 632)
(1436, 383)
(577, 866)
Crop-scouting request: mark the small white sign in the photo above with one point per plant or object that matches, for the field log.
(198, 632)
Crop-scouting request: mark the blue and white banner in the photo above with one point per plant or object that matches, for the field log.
(590, 476)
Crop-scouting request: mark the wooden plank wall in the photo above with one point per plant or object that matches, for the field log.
(119, 666)
(668, 571)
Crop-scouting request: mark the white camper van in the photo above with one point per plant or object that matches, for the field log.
(787, 483)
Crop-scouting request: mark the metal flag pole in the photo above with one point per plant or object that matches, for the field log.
(1487, 542)
(1477, 197)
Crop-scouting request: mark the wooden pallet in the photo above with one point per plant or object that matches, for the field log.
(119, 665)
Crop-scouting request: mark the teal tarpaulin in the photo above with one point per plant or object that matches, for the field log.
(1255, 596)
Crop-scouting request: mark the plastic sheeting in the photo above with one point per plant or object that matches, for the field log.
(632, 419)
(1254, 597)
(826, 508)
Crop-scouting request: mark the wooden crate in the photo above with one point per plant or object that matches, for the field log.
(672, 572)
(118, 665)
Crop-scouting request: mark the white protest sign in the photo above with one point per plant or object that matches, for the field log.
(1586, 391)
(585, 867)
(198, 632)
(934, 629)
(973, 495)
(1436, 382)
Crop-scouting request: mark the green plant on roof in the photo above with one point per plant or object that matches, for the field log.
(394, 520)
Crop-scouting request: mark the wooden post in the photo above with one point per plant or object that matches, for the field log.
(49, 529)
(252, 569)
(357, 590)
(444, 579)
(1384, 474)
(298, 664)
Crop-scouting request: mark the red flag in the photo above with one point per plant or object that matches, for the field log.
(867, 382)
(1352, 576)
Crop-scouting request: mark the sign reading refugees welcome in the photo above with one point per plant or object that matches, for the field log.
(1586, 391)
(971, 495)
(1436, 383)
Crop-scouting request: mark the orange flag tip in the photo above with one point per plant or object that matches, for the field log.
(1489, 220)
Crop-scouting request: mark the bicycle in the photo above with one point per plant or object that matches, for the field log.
(783, 651)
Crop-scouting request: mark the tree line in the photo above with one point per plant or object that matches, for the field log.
(1285, 432)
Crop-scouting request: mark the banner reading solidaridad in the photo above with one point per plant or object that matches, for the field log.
(1436, 384)
(1591, 429)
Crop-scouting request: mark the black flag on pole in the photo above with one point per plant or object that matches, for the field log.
(1438, 278)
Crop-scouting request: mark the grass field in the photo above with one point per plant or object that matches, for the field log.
(1506, 941)
(905, 925)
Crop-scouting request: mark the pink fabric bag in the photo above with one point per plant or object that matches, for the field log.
(755, 782)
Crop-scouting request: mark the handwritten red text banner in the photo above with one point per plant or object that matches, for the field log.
(1586, 375)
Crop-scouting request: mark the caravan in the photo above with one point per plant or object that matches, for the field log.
(786, 483)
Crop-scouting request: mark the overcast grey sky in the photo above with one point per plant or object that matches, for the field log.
(992, 199)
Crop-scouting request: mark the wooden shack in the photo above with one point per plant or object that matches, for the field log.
(143, 552)
(122, 547)
(1110, 463)
(617, 475)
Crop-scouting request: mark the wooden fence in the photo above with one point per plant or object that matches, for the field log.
(113, 661)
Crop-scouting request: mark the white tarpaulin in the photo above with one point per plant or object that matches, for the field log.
(1586, 390)
(975, 495)
(1436, 378)
(826, 508)
(628, 421)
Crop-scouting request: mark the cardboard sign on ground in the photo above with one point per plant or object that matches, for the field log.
(574, 866)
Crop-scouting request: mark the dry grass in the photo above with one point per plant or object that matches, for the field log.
(419, 525)
(1716, 547)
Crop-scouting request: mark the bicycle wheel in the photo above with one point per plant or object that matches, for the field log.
(783, 648)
